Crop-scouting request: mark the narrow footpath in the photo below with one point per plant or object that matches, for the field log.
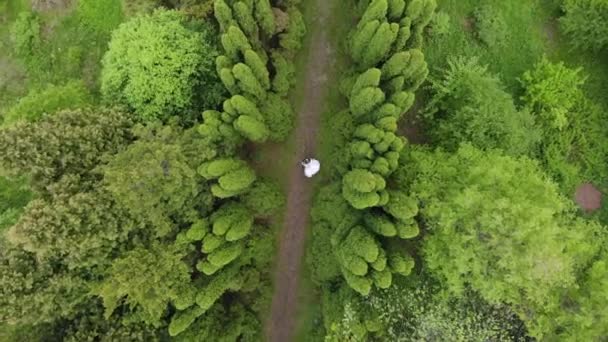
(282, 322)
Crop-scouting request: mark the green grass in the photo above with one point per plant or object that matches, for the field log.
(73, 41)
(523, 44)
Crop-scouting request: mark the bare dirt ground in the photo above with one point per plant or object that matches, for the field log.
(282, 322)
(588, 197)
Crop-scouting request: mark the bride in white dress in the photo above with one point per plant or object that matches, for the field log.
(311, 167)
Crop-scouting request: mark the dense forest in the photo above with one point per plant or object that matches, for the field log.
(151, 186)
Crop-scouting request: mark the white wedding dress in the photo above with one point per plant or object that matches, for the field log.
(311, 168)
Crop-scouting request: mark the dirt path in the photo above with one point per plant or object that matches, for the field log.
(282, 323)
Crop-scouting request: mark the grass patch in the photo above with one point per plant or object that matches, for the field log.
(521, 39)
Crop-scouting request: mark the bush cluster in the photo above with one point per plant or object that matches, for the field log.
(388, 68)
(257, 79)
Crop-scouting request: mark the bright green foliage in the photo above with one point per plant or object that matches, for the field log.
(375, 149)
(490, 25)
(228, 80)
(284, 77)
(363, 261)
(503, 229)
(233, 175)
(220, 257)
(361, 38)
(258, 67)
(291, 41)
(227, 279)
(235, 42)
(70, 142)
(376, 10)
(552, 90)
(183, 319)
(366, 100)
(471, 105)
(248, 83)
(573, 145)
(251, 128)
(101, 16)
(278, 116)
(216, 130)
(414, 8)
(220, 167)
(379, 45)
(395, 9)
(154, 179)
(401, 206)
(240, 105)
(377, 98)
(421, 13)
(198, 230)
(332, 217)
(264, 197)
(440, 24)
(381, 225)
(232, 221)
(363, 189)
(147, 281)
(401, 264)
(395, 65)
(355, 253)
(211, 242)
(416, 71)
(25, 37)
(158, 66)
(36, 103)
(245, 118)
(370, 78)
(585, 22)
(223, 14)
(405, 33)
(244, 16)
(265, 17)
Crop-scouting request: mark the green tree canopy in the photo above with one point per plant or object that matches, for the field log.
(147, 280)
(69, 143)
(502, 228)
(470, 105)
(49, 100)
(161, 65)
(155, 179)
(585, 22)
